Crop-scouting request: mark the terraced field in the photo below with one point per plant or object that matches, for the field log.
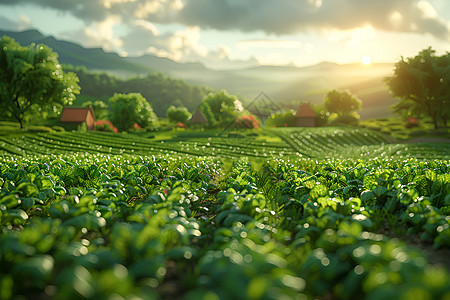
(316, 143)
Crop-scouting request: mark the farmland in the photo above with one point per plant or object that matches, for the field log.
(289, 213)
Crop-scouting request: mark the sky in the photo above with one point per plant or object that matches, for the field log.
(236, 33)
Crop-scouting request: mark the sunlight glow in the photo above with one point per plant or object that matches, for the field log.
(366, 59)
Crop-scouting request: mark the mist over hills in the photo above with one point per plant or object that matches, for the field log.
(288, 85)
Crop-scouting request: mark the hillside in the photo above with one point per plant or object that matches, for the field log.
(288, 85)
(74, 54)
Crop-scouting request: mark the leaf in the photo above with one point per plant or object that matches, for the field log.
(367, 195)
(234, 218)
(17, 216)
(26, 203)
(87, 221)
(37, 267)
(10, 201)
(347, 189)
(27, 189)
(379, 191)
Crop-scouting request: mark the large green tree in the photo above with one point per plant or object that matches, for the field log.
(178, 114)
(32, 81)
(342, 102)
(127, 109)
(220, 108)
(422, 84)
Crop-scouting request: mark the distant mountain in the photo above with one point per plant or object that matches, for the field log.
(288, 85)
(74, 54)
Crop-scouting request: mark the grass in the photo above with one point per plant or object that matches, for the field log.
(396, 129)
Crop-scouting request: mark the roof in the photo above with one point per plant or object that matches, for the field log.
(70, 114)
(305, 111)
(198, 118)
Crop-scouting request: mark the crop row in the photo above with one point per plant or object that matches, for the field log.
(318, 143)
(99, 142)
(100, 226)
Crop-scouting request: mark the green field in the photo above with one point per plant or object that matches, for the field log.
(289, 213)
(314, 143)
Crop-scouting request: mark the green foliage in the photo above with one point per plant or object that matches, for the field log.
(163, 91)
(32, 81)
(100, 108)
(282, 119)
(345, 119)
(220, 108)
(344, 104)
(127, 109)
(169, 226)
(422, 85)
(178, 114)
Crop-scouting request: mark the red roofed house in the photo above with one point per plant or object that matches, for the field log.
(306, 117)
(78, 116)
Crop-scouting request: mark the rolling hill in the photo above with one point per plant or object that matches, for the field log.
(288, 85)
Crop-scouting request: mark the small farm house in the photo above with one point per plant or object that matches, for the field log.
(78, 116)
(306, 117)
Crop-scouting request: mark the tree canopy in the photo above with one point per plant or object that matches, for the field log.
(163, 91)
(100, 108)
(178, 114)
(32, 80)
(128, 109)
(342, 103)
(220, 108)
(422, 84)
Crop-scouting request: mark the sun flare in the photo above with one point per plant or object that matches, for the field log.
(366, 60)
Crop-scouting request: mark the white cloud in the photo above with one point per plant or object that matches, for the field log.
(427, 9)
(278, 17)
(147, 26)
(185, 45)
(158, 10)
(109, 3)
(102, 33)
(24, 22)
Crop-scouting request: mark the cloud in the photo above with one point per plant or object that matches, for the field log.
(292, 16)
(276, 17)
(22, 24)
(99, 33)
(163, 11)
(183, 45)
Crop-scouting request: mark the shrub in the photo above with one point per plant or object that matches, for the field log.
(412, 123)
(39, 129)
(105, 125)
(58, 128)
(247, 121)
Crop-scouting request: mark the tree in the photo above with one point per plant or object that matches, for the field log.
(178, 114)
(128, 109)
(282, 119)
(342, 103)
(422, 84)
(221, 109)
(100, 108)
(32, 80)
